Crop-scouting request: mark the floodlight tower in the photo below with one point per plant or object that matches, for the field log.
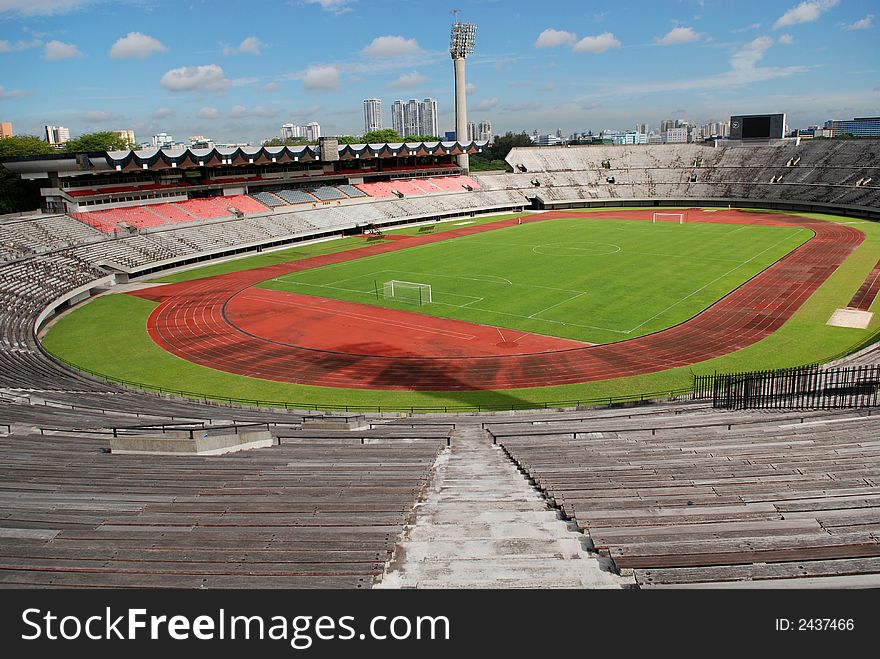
(461, 44)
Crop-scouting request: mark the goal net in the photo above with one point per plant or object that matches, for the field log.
(678, 218)
(409, 292)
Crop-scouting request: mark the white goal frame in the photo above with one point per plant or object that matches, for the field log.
(421, 293)
(682, 217)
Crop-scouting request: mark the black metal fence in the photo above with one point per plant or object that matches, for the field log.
(807, 387)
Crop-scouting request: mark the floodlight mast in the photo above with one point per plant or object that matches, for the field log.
(461, 44)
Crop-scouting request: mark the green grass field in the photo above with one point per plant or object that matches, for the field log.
(597, 281)
(127, 352)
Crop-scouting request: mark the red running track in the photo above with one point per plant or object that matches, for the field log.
(193, 323)
(864, 297)
(320, 323)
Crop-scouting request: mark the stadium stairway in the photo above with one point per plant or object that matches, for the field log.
(482, 525)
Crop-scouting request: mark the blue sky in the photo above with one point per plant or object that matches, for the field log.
(238, 70)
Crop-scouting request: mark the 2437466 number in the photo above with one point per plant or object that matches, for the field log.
(815, 624)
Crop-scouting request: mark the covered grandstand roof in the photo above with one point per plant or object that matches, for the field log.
(152, 159)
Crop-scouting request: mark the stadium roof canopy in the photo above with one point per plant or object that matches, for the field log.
(187, 158)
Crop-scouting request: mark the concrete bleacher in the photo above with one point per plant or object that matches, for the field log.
(328, 193)
(204, 209)
(21, 238)
(350, 191)
(296, 196)
(268, 199)
(418, 186)
(109, 220)
(825, 171)
(746, 499)
(76, 516)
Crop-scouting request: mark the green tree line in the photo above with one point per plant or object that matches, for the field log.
(17, 195)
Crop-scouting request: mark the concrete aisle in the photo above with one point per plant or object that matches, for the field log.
(482, 525)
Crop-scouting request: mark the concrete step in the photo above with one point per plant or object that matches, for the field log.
(526, 583)
(437, 550)
(482, 525)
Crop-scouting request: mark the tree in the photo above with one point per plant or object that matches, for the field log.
(277, 141)
(504, 143)
(493, 156)
(348, 139)
(17, 195)
(381, 136)
(421, 138)
(24, 145)
(102, 141)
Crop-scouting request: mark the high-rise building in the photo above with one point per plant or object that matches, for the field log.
(642, 128)
(291, 132)
(677, 135)
(373, 115)
(857, 127)
(549, 140)
(484, 131)
(471, 131)
(57, 135)
(428, 119)
(397, 123)
(312, 131)
(715, 129)
(127, 135)
(5, 129)
(200, 142)
(412, 120)
(162, 141)
(666, 124)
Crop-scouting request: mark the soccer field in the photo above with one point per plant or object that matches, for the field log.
(593, 280)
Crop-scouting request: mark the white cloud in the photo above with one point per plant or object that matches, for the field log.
(747, 28)
(42, 7)
(598, 44)
(162, 113)
(487, 104)
(750, 54)
(207, 78)
(270, 88)
(407, 81)
(470, 88)
(11, 93)
(865, 23)
(806, 12)
(56, 50)
(786, 39)
(334, 6)
(137, 45)
(239, 111)
(100, 116)
(679, 35)
(8, 46)
(392, 46)
(208, 113)
(250, 46)
(744, 71)
(321, 77)
(551, 38)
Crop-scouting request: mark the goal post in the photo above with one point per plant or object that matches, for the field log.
(678, 218)
(408, 292)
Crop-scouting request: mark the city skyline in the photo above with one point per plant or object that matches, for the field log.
(92, 65)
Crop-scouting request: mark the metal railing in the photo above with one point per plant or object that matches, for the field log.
(808, 387)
